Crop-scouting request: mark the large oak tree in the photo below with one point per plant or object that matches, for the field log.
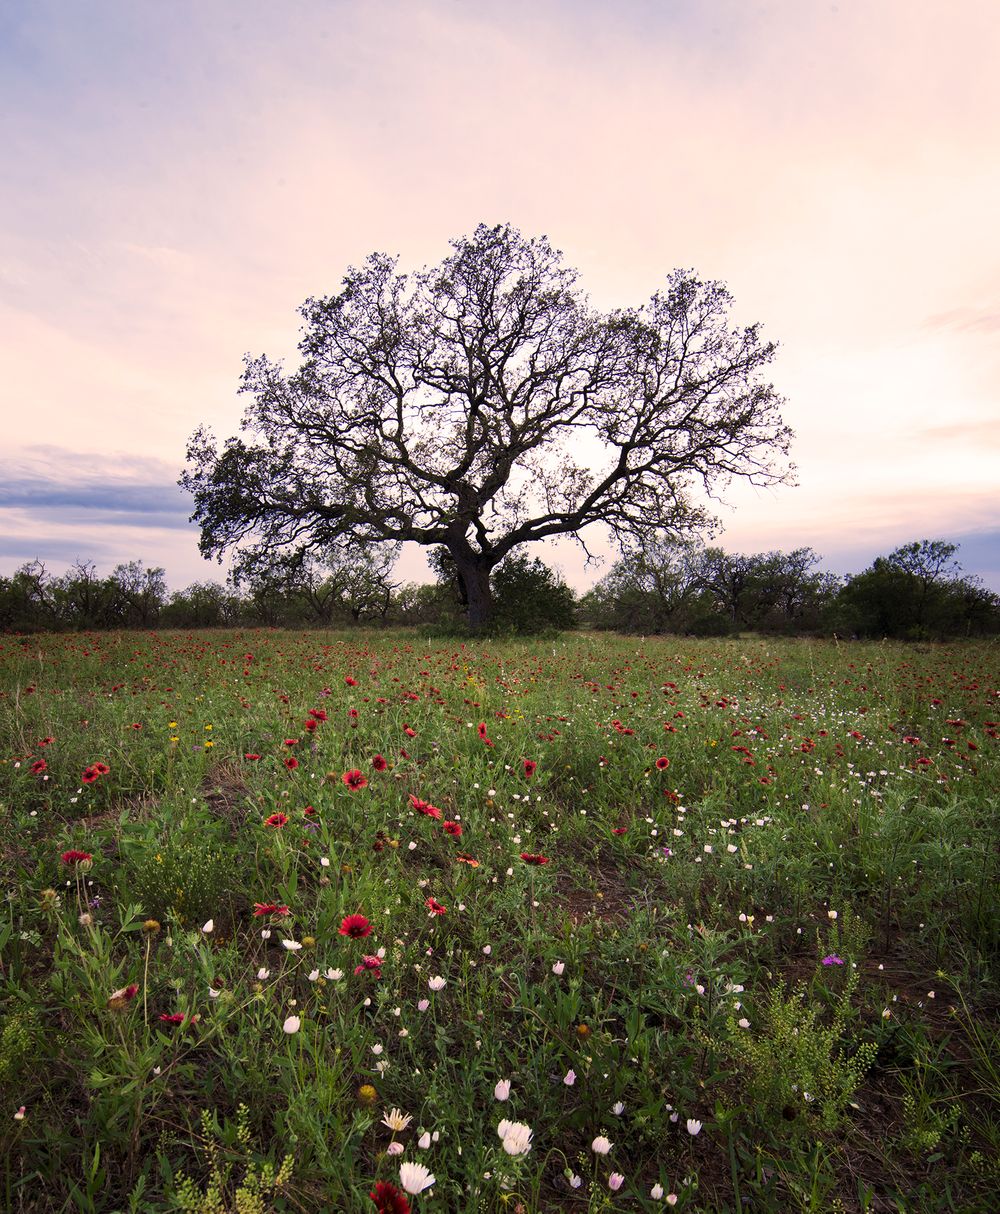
(482, 404)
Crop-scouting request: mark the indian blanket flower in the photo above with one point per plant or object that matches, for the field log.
(414, 1177)
(424, 807)
(277, 820)
(355, 926)
(354, 780)
(529, 768)
(453, 829)
(38, 767)
(123, 997)
(269, 908)
(662, 763)
(379, 763)
(533, 858)
(291, 764)
(76, 857)
(372, 965)
(435, 907)
(388, 1199)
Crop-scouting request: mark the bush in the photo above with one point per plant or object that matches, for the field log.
(530, 598)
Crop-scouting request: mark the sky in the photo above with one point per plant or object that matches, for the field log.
(180, 177)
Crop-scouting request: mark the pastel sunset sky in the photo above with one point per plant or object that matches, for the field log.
(180, 176)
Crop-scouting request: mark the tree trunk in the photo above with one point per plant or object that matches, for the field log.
(474, 583)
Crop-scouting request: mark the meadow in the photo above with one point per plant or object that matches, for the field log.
(380, 922)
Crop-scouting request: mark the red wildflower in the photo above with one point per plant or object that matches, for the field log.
(291, 764)
(529, 768)
(351, 682)
(462, 858)
(118, 999)
(278, 820)
(481, 727)
(251, 758)
(532, 858)
(135, 725)
(102, 769)
(75, 857)
(318, 714)
(291, 741)
(619, 830)
(38, 767)
(46, 741)
(388, 1199)
(435, 907)
(310, 725)
(309, 811)
(355, 926)
(379, 763)
(410, 733)
(354, 780)
(89, 775)
(172, 1017)
(425, 807)
(371, 965)
(269, 908)
(662, 763)
(453, 829)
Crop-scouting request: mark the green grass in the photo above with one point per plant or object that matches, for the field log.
(789, 934)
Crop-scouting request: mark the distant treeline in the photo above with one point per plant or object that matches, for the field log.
(916, 592)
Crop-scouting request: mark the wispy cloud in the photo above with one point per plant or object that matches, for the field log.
(977, 433)
(967, 320)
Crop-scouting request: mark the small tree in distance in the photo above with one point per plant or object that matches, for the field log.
(482, 404)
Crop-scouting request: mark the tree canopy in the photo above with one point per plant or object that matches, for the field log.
(482, 404)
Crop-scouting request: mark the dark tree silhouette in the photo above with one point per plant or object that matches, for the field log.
(483, 404)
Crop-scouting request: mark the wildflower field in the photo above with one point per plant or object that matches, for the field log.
(349, 921)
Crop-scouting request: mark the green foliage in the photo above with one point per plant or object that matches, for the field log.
(185, 875)
(795, 1064)
(19, 1032)
(530, 598)
(253, 1192)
